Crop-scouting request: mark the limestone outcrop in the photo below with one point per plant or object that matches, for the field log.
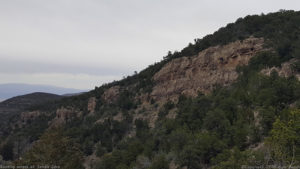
(111, 94)
(63, 115)
(286, 70)
(200, 73)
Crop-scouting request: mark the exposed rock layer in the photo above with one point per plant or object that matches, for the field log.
(200, 73)
(64, 115)
(286, 70)
(92, 105)
(111, 94)
(27, 116)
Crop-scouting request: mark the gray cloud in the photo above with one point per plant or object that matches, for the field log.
(77, 81)
(30, 67)
(101, 38)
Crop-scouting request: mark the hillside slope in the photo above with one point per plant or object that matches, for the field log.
(25, 101)
(11, 109)
(228, 100)
(10, 90)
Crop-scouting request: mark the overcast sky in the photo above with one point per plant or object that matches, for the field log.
(85, 43)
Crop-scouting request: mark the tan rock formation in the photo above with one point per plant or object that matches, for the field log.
(64, 115)
(92, 105)
(119, 117)
(200, 73)
(284, 71)
(149, 113)
(111, 94)
(27, 116)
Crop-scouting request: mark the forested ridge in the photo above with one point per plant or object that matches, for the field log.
(253, 122)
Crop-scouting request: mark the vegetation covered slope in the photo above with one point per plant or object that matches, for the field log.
(11, 108)
(28, 100)
(254, 121)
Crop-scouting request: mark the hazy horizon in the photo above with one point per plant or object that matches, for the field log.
(37, 84)
(10, 90)
(82, 44)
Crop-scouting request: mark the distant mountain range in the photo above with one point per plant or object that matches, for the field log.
(11, 108)
(10, 90)
(22, 102)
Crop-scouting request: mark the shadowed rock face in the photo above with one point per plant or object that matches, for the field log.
(200, 73)
(26, 116)
(64, 115)
(92, 105)
(111, 94)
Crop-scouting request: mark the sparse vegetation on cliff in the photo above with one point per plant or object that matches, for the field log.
(251, 120)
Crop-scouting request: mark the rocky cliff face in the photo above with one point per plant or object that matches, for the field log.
(27, 116)
(285, 70)
(92, 105)
(64, 115)
(200, 73)
(111, 94)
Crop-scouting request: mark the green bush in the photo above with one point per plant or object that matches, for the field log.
(159, 162)
(6, 151)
